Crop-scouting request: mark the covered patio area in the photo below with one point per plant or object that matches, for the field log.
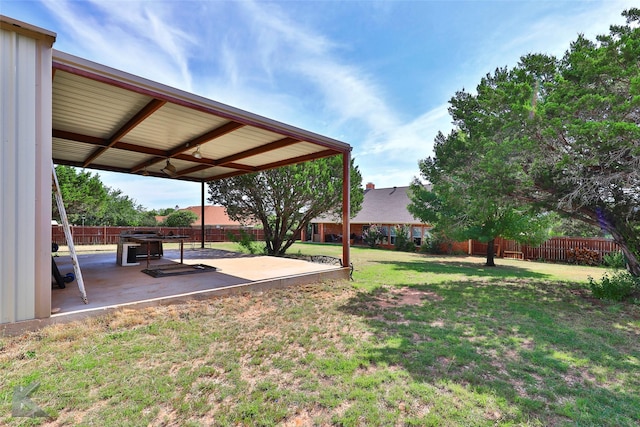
(110, 286)
(67, 110)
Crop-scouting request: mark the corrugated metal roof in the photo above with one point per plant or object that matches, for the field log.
(110, 120)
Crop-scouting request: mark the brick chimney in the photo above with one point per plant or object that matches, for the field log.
(370, 186)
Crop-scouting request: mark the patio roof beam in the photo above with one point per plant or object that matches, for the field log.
(158, 153)
(192, 170)
(299, 159)
(138, 118)
(281, 143)
(205, 137)
(98, 166)
(294, 160)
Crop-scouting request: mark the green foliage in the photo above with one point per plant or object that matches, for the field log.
(165, 211)
(617, 287)
(180, 219)
(433, 243)
(88, 201)
(546, 135)
(567, 226)
(248, 242)
(614, 260)
(120, 210)
(285, 200)
(83, 194)
(372, 236)
(404, 242)
(585, 162)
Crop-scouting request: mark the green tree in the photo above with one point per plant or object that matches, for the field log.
(147, 219)
(286, 199)
(461, 208)
(566, 226)
(477, 167)
(587, 162)
(180, 219)
(120, 210)
(165, 211)
(561, 136)
(87, 200)
(83, 194)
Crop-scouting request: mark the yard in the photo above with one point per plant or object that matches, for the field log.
(414, 340)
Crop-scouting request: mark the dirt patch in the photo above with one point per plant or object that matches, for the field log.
(404, 296)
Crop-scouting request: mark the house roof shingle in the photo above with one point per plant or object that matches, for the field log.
(381, 206)
(213, 215)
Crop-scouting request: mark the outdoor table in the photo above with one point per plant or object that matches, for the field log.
(160, 239)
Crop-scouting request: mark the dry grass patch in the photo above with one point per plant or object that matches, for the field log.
(410, 342)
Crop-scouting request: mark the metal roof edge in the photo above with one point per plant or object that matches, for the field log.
(71, 63)
(9, 24)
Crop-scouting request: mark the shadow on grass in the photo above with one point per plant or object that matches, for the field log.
(548, 352)
(467, 268)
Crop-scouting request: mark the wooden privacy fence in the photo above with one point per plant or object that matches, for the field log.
(558, 249)
(104, 235)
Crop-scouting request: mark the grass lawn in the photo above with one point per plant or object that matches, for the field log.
(414, 340)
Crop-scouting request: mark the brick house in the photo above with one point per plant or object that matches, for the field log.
(215, 216)
(385, 207)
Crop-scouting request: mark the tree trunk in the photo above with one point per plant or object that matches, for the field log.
(490, 253)
(633, 264)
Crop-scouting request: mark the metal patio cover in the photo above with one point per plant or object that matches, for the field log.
(110, 120)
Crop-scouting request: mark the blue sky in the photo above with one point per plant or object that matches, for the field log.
(375, 74)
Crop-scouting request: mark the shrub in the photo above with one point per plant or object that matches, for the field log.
(614, 260)
(433, 244)
(372, 236)
(248, 242)
(180, 219)
(404, 242)
(619, 286)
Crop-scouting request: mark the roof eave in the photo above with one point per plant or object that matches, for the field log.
(93, 70)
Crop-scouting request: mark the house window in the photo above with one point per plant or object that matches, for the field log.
(393, 235)
(385, 233)
(417, 235)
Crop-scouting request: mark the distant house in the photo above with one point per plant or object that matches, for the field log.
(384, 207)
(214, 216)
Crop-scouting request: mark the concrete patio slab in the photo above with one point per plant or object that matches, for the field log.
(110, 286)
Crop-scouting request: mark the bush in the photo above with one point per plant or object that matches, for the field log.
(180, 219)
(619, 286)
(372, 236)
(614, 260)
(404, 242)
(433, 244)
(248, 242)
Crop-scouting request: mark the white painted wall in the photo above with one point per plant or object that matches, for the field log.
(25, 171)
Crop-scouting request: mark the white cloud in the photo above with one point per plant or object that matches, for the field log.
(415, 136)
(391, 158)
(266, 60)
(133, 37)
